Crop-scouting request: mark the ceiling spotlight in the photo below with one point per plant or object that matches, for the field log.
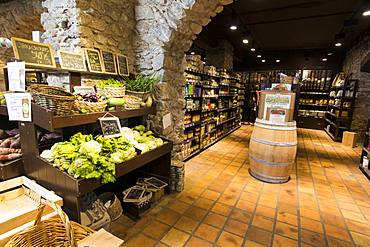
(330, 54)
(366, 13)
(233, 27)
(278, 60)
(245, 41)
(338, 44)
(324, 59)
(259, 56)
(263, 60)
(253, 49)
(192, 53)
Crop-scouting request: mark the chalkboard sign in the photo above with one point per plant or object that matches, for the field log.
(122, 65)
(110, 126)
(72, 60)
(109, 61)
(33, 53)
(94, 60)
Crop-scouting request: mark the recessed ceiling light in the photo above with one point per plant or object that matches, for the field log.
(330, 53)
(253, 49)
(259, 56)
(233, 27)
(278, 60)
(192, 53)
(366, 13)
(338, 44)
(324, 59)
(263, 60)
(245, 41)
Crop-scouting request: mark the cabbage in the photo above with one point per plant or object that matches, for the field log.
(90, 147)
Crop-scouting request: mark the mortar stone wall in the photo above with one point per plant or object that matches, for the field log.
(17, 19)
(221, 56)
(352, 65)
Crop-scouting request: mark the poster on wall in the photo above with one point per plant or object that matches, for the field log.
(72, 61)
(109, 62)
(33, 53)
(94, 60)
(19, 106)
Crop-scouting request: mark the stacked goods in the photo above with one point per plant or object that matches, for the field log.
(210, 70)
(10, 145)
(87, 157)
(194, 63)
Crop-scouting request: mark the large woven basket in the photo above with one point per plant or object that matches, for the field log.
(52, 98)
(132, 102)
(109, 92)
(51, 232)
(142, 95)
(90, 107)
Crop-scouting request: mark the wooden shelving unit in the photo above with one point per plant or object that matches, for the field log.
(226, 102)
(339, 112)
(366, 151)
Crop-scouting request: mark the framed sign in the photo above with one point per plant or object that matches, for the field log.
(110, 126)
(109, 62)
(122, 65)
(94, 60)
(84, 89)
(155, 182)
(134, 194)
(72, 60)
(33, 53)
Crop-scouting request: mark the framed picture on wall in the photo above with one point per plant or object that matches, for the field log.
(94, 60)
(109, 62)
(122, 63)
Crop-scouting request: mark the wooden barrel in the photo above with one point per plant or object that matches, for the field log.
(272, 151)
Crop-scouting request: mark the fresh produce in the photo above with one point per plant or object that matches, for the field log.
(90, 97)
(142, 83)
(141, 139)
(116, 102)
(149, 102)
(2, 99)
(10, 144)
(9, 151)
(110, 83)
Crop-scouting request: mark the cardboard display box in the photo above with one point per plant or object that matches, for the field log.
(272, 102)
(349, 139)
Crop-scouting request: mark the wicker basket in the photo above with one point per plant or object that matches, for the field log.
(90, 107)
(51, 232)
(109, 92)
(132, 102)
(142, 95)
(115, 209)
(52, 98)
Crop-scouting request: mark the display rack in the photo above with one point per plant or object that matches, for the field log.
(13, 168)
(340, 108)
(313, 98)
(156, 162)
(213, 110)
(365, 152)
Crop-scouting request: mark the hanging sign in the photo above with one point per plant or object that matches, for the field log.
(122, 65)
(19, 106)
(72, 61)
(84, 89)
(109, 62)
(110, 125)
(16, 76)
(33, 53)
(94, 60)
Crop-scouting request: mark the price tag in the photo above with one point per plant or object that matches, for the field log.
(110, 126)
(17, 76)
(84, 89)
(19, 106)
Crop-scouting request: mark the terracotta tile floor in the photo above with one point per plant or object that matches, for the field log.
(326, 202)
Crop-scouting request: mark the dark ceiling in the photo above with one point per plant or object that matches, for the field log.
(278, 27)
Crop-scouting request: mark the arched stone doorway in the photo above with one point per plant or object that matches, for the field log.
(166, 30)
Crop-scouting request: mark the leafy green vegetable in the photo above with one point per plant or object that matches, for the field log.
(142, 83)
(111, 83)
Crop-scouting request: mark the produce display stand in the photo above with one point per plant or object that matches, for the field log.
(337, 123)
(13, 168)
(366, 151)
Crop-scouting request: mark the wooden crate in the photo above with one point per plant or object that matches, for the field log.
(20, 200)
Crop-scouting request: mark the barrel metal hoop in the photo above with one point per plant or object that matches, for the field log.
(270, 127)
(270, 163)
(287, 144)
(273, 178)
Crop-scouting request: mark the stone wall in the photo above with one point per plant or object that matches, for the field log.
(221, 56)
(17, 19)
(352, 65)
(166, 30)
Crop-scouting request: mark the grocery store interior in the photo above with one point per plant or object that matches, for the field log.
(185, 123)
